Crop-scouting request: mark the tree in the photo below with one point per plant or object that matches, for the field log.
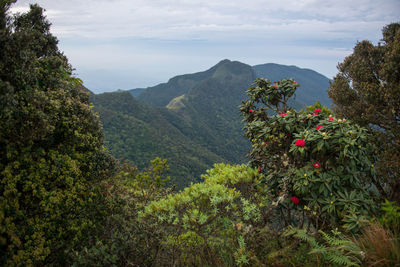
(52, 158)
(367, 91)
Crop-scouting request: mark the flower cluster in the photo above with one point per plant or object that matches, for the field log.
(317, 111)
(300, 143)
(295, 200)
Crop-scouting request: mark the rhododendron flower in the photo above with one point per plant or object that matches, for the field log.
(317, 165)
(331, 119)
(283, 114)
(318, 110)
(275, 86)
(265, 143)
(251, 111)
(300, 142)
(295, 200)
(319, 127)
(314, 113)
(259, 170)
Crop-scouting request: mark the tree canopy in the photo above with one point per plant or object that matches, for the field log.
(367, 90)
(51, 146)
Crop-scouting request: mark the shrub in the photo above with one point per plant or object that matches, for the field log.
(330, 249)
(206, 223)
(318, 168)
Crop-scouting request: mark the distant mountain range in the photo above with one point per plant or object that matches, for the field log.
(193, 120)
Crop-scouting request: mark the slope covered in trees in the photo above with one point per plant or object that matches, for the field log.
(139, 133)
(197, 112)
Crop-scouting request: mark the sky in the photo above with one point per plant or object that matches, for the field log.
(126, 44)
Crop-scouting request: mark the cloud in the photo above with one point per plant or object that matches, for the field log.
(183, 19)
(180, 36)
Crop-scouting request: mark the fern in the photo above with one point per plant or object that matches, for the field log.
(335, 248)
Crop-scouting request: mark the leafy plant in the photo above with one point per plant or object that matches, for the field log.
(391, 217)
(330, 249)
(318, 168)
(205, 223)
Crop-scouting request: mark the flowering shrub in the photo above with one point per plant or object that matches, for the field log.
(324, 161)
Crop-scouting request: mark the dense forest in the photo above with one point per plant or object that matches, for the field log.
(320, 185)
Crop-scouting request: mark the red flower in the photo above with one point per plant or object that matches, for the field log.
(265, 143)
(317, 165)
(251, 111)
(275, 86)
(319, 127)
(295, 200)
(259, 170)
(318, 110)
(294, 82)
(300, 142)
(289, 134)
(331, 119)
(283, 114)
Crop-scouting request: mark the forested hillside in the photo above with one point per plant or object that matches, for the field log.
(193, 120)
(138, 133)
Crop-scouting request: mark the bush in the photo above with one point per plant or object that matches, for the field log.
(318, 168)
(206, 223)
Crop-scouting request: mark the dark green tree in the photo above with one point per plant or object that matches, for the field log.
(52, 158)
(367, 90)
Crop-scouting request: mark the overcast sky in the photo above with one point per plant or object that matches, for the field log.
(125, 44)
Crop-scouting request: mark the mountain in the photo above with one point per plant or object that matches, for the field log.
(139, 133)
(193, 120)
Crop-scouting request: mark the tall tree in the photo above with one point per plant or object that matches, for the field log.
(52, 158)
(367, 90)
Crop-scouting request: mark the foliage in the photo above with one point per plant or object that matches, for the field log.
(333, 249)
(51, 147)
(124, 240)
(391, 217)
(318, 168)
(206, 223)
(367, 91)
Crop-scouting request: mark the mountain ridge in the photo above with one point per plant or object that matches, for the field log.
(193, 120)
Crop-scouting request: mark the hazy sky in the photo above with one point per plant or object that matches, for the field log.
(125, 44)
